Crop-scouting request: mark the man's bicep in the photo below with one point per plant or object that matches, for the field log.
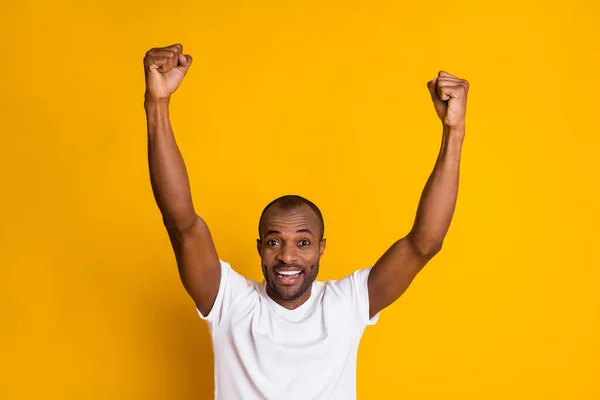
(198, 263)
(393, 273)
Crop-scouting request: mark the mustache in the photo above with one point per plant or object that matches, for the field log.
(284, 265)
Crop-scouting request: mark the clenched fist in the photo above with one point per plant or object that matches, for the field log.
(449, 95)
(165, 68)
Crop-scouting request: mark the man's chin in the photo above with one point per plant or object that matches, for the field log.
(288, 292)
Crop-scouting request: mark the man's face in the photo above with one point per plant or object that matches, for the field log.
(290, 250)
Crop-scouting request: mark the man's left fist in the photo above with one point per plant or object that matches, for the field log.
(449, 95)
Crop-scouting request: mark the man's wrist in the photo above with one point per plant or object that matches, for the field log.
(455, 130)
(151, 102)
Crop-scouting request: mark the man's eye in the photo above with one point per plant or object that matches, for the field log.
(304, 243)
(272, 242)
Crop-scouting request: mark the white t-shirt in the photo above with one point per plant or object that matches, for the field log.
(265, 351)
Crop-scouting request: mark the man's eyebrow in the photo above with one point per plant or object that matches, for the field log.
(305, 230)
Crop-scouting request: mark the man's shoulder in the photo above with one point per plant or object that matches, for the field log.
(352, 275)
(332, 287)
(349, 284)
(237, 274)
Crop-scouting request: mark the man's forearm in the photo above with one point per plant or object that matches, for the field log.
(438, 199)
(168, 175)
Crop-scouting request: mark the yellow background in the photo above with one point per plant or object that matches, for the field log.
(327, 100)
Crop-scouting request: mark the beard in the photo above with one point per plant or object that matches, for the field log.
(288, 293)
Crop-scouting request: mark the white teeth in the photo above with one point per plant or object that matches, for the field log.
(289, 273)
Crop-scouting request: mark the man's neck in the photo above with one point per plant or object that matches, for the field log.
(290, 304)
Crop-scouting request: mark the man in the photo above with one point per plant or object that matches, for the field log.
(290, 336)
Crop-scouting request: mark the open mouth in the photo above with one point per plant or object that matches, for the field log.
(288, 277)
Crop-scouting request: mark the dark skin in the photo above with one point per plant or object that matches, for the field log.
(197, 258)
(290, 242)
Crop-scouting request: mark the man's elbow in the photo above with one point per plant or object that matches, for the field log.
(426, 249)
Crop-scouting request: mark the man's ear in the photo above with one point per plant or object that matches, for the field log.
(258, 245)
(322, 247)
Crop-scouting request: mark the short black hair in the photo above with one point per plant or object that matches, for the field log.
(290, 202)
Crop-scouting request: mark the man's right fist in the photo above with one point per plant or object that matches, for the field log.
(165, 68)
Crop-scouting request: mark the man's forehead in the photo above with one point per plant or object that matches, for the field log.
(295, 217)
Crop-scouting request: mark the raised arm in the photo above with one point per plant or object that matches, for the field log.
(396, 269)
(196, 256)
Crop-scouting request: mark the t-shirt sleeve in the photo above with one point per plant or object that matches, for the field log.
(355, 291)
(231, 287)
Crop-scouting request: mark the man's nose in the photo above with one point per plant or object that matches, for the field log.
(287, 254)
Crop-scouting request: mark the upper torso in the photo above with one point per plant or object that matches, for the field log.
(265, 351)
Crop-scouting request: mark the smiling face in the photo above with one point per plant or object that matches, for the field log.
(290, 250)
